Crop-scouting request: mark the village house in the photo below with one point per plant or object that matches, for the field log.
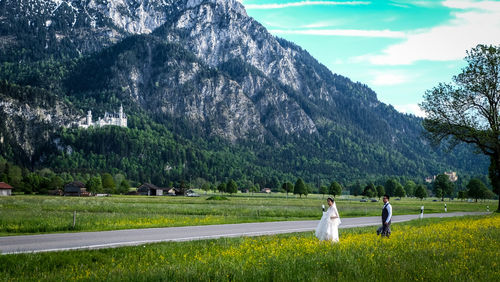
(266, 190)
(172, 192)
(75, 188)
(5, 189)
(148, 189)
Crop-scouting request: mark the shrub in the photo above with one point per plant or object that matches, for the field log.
(218, 198)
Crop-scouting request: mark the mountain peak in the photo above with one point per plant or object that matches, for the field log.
(227, 4)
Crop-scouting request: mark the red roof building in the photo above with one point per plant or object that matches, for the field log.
(5, 189)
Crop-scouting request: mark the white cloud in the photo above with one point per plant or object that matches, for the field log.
(386, 79)
(338, 61)
(391, 19)
(303, 3)
(475, 23)
(409, 3)
(275, 24)
(468, 4)
(323, 24)
(399, 5)
(410, 109)
(341, 32)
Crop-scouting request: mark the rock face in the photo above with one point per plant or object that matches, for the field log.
(277, 75)
(29, 122)
(218, 31)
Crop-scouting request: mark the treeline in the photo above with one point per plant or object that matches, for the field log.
(441, 187)
(46, 181)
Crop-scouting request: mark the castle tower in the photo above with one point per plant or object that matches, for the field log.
(122, 118)
(89, 118)
(121, 112)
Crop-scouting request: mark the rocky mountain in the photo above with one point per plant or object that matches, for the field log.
(208, 66)
(71, 28)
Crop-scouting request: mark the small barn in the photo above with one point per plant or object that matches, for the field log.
(75, 188)
(148, 189)
(5, 189)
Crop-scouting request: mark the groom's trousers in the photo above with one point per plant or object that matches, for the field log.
(386, 229)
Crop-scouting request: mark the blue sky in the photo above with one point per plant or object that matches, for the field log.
(398, 48)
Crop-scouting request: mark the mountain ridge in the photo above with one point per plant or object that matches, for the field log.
(204, 70)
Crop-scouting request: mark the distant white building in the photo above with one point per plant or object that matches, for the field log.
(118, 119)
(452, 175)
(430, 179)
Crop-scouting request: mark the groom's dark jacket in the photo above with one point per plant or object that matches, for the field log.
(385, 213)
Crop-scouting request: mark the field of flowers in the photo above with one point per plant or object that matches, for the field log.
(453, 249)
(43, 214)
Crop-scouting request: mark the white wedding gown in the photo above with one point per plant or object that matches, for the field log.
(328, 228)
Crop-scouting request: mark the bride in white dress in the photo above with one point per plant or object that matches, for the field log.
(328, 227)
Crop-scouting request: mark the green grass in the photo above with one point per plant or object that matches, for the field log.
(217, 198)
(451, 249)
(44, 214)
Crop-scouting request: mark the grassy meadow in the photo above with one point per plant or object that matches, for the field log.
(46, 214)
(451, 249)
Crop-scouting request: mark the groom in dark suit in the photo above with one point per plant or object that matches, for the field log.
(385, 230)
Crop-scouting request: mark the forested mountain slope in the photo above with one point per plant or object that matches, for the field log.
(209, 94)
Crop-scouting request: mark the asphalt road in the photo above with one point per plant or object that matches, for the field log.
(131, 237)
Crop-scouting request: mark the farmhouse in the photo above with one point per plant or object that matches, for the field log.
(266, 190)
(173, 192)
(148, 189)
(5, 189)
(75, 188)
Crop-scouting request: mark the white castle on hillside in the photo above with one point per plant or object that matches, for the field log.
(452, 175)
(118, 119)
